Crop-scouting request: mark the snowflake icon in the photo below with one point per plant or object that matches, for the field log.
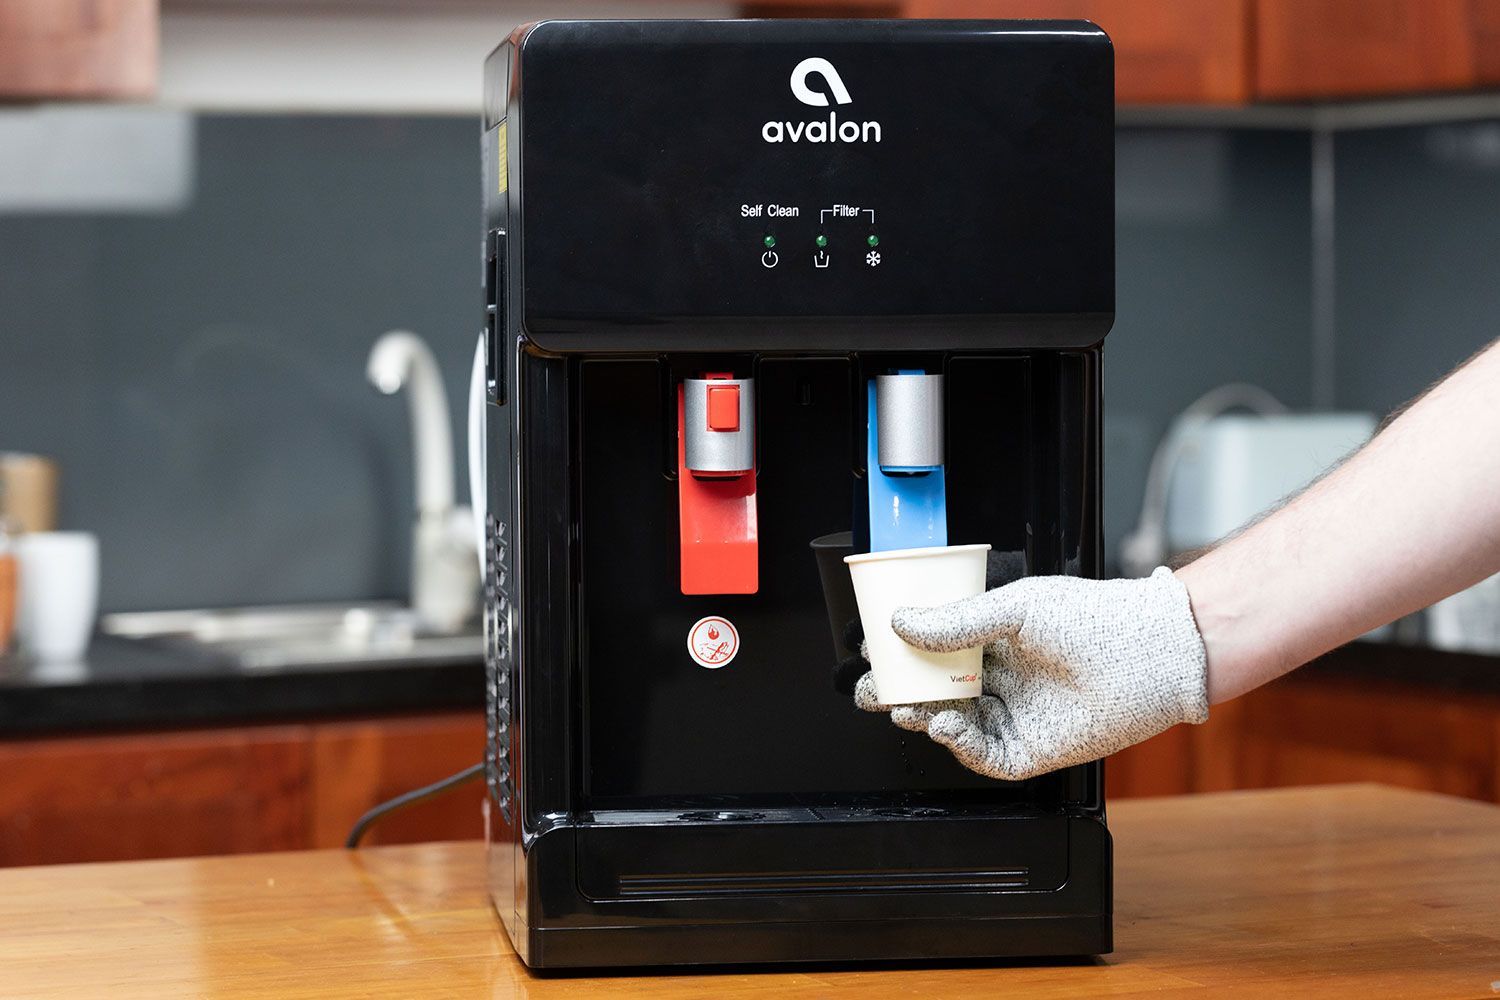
(872, 258)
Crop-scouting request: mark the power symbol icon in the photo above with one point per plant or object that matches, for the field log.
(769, 258)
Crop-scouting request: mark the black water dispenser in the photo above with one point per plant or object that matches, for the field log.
(752, 285)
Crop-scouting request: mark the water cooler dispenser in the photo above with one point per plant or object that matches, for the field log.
(751, 285)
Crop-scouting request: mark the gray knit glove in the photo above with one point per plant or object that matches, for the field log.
(1074, 670)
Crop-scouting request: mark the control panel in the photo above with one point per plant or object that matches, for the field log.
(737, 172)
(846, 233)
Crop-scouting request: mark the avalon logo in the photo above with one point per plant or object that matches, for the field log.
(831, 130)
(823, 68)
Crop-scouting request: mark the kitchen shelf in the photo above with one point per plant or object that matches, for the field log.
(1342, 116)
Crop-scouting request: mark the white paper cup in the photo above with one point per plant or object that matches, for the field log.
(58, 573)
(885, 581)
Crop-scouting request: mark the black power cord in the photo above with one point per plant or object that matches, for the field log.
(383, 810)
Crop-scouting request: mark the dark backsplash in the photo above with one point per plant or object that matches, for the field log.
(1419, 257)
(200, 375)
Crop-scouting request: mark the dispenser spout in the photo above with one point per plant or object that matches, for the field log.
(904, 462)
(716, 485)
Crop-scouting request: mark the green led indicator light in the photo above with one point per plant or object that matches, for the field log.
(770, 242)
(874, 240)
(821, 241)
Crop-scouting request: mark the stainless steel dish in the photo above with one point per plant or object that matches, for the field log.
(295, 636)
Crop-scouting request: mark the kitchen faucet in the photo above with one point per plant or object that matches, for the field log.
(444, 570)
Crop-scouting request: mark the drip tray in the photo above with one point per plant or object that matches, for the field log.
(735, 854)
(902, 812)
(658, 817)
(825, 814)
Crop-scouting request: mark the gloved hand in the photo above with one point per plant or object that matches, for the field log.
(1074, 670)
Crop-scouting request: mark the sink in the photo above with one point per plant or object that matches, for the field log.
(309, 635)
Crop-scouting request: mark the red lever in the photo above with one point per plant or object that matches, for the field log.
(717, 523)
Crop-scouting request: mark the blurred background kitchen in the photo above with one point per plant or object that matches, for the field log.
(236, 632)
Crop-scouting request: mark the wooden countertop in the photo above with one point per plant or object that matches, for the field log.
(1355, 890)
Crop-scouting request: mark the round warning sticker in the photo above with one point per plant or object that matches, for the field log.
(712, 642)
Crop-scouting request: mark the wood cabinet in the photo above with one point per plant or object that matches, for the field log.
(232, 790)
(1486, 14)
(100, 798)
(1307, 49)
(1317, 728)
(355, 765)
(78, 49)
(1242, 51)
(1166, 51)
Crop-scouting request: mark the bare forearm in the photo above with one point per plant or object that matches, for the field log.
(1410, 519)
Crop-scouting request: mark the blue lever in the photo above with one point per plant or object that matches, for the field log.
(908, 504)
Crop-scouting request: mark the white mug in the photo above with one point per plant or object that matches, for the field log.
(58, 573)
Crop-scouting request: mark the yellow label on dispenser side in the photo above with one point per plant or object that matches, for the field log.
(502, 161)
